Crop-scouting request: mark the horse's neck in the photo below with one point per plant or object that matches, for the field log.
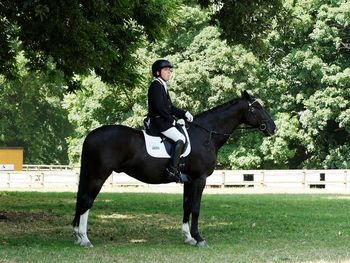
(223, 120)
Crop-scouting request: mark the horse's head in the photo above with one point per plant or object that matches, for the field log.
(256, 116)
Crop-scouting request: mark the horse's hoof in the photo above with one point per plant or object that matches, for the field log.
(87, 244)
(191, 242)
(202, 244)
(83, 244)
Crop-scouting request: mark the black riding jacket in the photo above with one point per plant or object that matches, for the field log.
(161, 111)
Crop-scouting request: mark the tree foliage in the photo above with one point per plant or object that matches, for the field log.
(302, 75)
(94, 105)
(207, 72)
(309, 71)
(304, 82)
(79, 36)
(246, 22)
(32, 116)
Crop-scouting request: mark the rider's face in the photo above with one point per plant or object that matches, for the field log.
(165, 73)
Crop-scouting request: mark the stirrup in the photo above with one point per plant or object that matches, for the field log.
(172, 175)
(176, 176)
(184, 178)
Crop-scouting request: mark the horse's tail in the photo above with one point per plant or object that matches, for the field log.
(83, 181)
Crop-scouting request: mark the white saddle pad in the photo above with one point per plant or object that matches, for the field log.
(155, 147)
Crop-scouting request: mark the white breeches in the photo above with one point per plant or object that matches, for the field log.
(173, 134)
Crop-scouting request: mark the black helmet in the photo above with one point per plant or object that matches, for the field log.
(159, 64)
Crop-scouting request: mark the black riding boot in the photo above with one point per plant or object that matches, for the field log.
(172, 173)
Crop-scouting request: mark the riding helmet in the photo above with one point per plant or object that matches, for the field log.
(159, 64)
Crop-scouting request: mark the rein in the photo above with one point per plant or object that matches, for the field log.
(223, 134)
(212, 132)
(262, 126)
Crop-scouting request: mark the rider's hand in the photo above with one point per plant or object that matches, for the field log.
(181, 122)
(189, 116)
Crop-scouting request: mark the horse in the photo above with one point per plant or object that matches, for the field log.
(122, 149)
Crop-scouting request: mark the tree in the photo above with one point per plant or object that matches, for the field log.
(309, 72)
(207, 72)
(79, 36)
(304, 84)
(96, 104)
(32, 116)
(246, 22)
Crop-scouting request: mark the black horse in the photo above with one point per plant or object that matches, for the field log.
(122, 149)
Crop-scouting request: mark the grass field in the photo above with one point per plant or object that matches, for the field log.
(135, 227)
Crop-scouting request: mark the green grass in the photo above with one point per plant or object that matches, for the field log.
(133, 227)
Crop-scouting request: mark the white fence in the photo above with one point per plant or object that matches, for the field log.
(64, 177)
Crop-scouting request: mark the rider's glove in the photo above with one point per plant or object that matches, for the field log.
(189, 116)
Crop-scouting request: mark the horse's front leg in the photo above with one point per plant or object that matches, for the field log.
(187, 207)
(196, 188)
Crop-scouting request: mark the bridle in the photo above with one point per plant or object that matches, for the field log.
(262, 127)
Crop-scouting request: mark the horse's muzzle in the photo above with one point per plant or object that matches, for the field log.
(268, 129)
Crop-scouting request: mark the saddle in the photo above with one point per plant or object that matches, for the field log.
(161, 146)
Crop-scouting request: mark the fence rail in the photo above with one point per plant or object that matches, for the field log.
(40, 167)
(54, 177)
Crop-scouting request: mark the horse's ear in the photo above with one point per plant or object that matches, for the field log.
(245, 95)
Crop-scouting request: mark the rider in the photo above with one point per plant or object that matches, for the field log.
(161, 112)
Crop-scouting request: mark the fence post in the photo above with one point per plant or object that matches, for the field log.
(262, 183)
(112, 177)
(304, 179)
(223, 181)
(345, 179)
(9, 180)
(42, 179)
(31, 180)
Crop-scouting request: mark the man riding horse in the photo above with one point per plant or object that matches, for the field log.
(161, 114)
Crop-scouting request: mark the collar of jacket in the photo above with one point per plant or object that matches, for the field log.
(161, 81)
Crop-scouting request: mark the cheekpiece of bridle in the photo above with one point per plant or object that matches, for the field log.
(262, 125)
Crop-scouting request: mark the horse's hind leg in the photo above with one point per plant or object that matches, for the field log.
(89, 186)
(80, 231)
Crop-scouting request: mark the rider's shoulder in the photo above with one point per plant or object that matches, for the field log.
(156, 84)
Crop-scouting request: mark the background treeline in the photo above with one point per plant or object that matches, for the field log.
(299, 68)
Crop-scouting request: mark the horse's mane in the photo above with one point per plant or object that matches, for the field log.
(216, 108)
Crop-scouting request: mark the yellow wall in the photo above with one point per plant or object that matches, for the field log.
(12, 156)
